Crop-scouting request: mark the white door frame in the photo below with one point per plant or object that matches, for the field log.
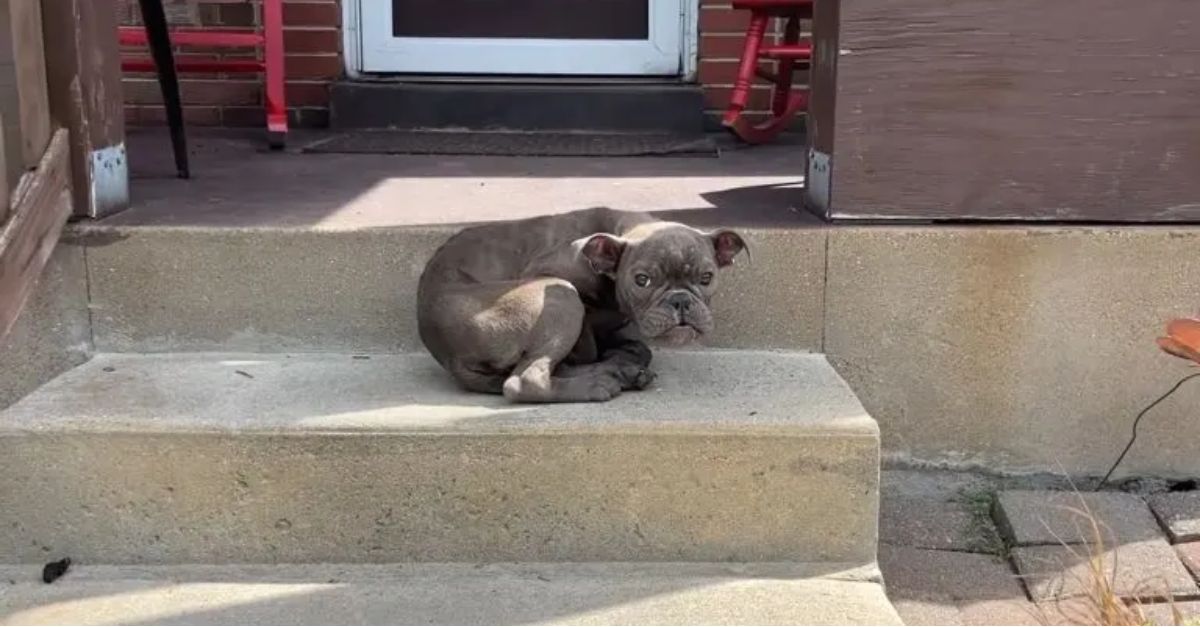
(356, 36)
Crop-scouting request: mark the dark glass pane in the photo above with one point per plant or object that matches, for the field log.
(541, 19)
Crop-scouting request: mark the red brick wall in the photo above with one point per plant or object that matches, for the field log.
(312, 41)
(313, 48)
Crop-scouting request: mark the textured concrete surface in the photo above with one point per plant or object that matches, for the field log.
(280, 251)
(1147, 569)
(308, 458)
(1030, 517)
(442, 594)
(953, 588)
(1179, 512)
(267, 289)
(1017, 348)
(238, 183)
(52, 334)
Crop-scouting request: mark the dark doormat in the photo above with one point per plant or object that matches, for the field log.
(512, 144)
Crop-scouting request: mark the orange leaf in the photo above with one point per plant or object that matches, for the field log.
(1173, 347)
(1186, 331)
(1183, 339)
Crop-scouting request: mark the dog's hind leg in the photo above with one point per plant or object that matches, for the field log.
(475, 379)
(509, 338)
(550, 337)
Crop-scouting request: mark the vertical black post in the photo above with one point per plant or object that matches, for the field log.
(155, 19)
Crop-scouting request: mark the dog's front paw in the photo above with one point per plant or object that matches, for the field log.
(644, 379)
(635, 377)
(604, 387)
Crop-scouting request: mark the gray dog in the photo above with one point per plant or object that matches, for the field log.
(557, 308)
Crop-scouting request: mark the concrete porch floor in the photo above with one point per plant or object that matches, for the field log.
(237, 182)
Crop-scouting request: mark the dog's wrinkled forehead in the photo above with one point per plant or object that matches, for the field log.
(675, 246)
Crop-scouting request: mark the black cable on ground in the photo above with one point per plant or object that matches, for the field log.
(1137, 420)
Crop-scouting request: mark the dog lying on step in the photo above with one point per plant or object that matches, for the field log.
(559, 308)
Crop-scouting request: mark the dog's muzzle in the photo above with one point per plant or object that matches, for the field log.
(677, 319)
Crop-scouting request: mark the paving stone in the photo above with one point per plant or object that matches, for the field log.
(1144, 569)
(1035, 517)
(1189, 554)
(927, 612)
(1179, 513)
(1078, 611)
(1003, 612)
(952, 588)
(934, 523)
(1161, 614)
(951, 575)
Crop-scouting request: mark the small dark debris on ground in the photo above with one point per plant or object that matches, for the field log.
(244, 374)
(53, 570)
(1186, 485)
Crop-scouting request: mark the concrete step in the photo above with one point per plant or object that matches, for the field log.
(447, 594)
(268, 289)
(214, 458)
(645, 107)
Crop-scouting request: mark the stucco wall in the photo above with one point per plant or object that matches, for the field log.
(1018, 348)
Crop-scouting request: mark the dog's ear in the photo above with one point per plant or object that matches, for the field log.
(726, 245)
(603, 251)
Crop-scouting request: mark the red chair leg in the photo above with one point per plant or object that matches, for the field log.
(277, 126)
(768, 130)
(786, 70)
(741, 87)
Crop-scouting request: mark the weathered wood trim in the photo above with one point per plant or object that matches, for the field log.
(30, 54)
(40, 205)
(24, 105)
(84, 70)
(4, 187)
(10, 104)
(1019, 110)
(822, 106)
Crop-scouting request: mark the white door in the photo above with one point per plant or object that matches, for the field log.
(544, 37)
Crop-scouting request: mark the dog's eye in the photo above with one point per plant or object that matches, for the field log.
(706, 278)
(642, 280)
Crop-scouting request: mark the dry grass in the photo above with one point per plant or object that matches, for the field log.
(1100, 603)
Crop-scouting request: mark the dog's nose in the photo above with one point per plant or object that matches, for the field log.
(680, 301)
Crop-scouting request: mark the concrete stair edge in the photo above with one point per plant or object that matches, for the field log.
(523, 593)
(314, 458)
